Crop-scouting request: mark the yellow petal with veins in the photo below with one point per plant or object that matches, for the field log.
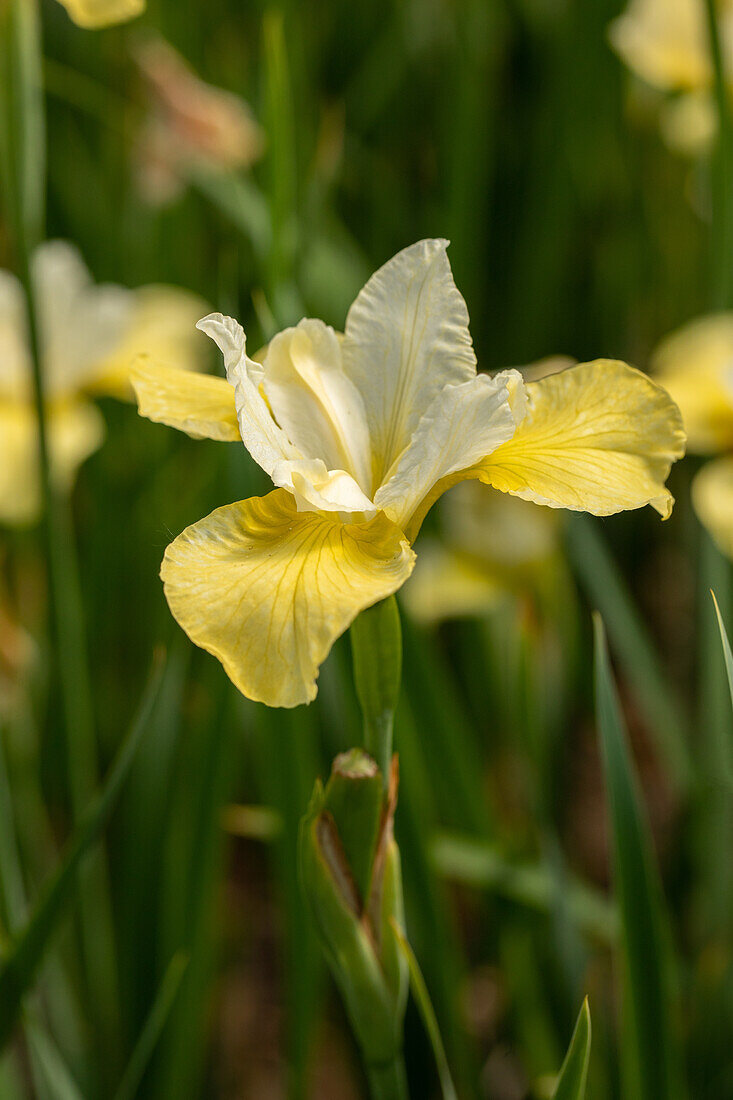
(75, 430)
(267, 590)
(712, 496)
(199, 404)
(600, 437)
(93, 14)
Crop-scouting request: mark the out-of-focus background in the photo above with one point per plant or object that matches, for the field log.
(512, 128)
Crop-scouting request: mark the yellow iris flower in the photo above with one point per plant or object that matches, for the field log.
(696, 365)
(93, 14)
(361, 434)
(666, 43)
(89, 337)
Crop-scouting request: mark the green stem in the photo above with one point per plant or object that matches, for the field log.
(376, 646)
(723, 166)
(388, 1081)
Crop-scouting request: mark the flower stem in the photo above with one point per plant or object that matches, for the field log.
(722, 184)
(376, 646)
(388, 1081)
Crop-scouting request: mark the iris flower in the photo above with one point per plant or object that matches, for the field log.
(361, 433)
(89, 337)
(666, 43)
(93, 14)
(696, 365)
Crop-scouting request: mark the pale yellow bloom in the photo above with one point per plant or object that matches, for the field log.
(666, 43)
(90, 334)
(189, 123)
(360, 434)
(93, 14)
(696, 365)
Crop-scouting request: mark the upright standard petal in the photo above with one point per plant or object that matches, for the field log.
(406, 339)
(262, 436)
(695, 366)
(600, 437)
(315, 401)
(712, 497)
(199, 404)
(463, 425)
(92, 14)
(267, 590)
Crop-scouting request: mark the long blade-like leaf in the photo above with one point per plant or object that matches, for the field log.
(727, 654)
(422, 999)
(648, 1052)
(574, 1073)
(22, 957)
(605, 587)
(153, 1027)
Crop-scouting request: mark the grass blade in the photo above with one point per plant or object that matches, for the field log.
(422, 999)
(574, 1072)
(21, 960)
(647, 1049)
(727, 654)
(606, 590)
(153, 1027)
(60, 1085)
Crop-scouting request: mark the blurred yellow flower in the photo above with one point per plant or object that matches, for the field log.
(93, 14)
(89, 337)
(361, 434)
(188, 123)
(696, 365)
(666, 43)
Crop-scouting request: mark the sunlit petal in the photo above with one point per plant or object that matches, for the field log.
(267, 590)
(712, 496)
(406, 339)
(75, 430)
(695, 366)
(315, 402)
(599, 437)
(92, 14)
(664, 42)
(15, 366)
(463, 425)
(199, 404)
(263, 437)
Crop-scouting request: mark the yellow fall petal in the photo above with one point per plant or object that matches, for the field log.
(712, 497)
(267, 590)
(93, 14)
(162, 326)
(75, 430)
(600, 437)
(695, 366)
(199, 404)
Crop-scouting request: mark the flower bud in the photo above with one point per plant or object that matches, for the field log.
(350, 868)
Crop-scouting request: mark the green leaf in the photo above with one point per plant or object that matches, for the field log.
(26, 950)
(648, 1052)
(153, 1027)
(422, 999)
(606, 589)
(46, 1056)
(376, 647)
(574, 1072)
(727, 654)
